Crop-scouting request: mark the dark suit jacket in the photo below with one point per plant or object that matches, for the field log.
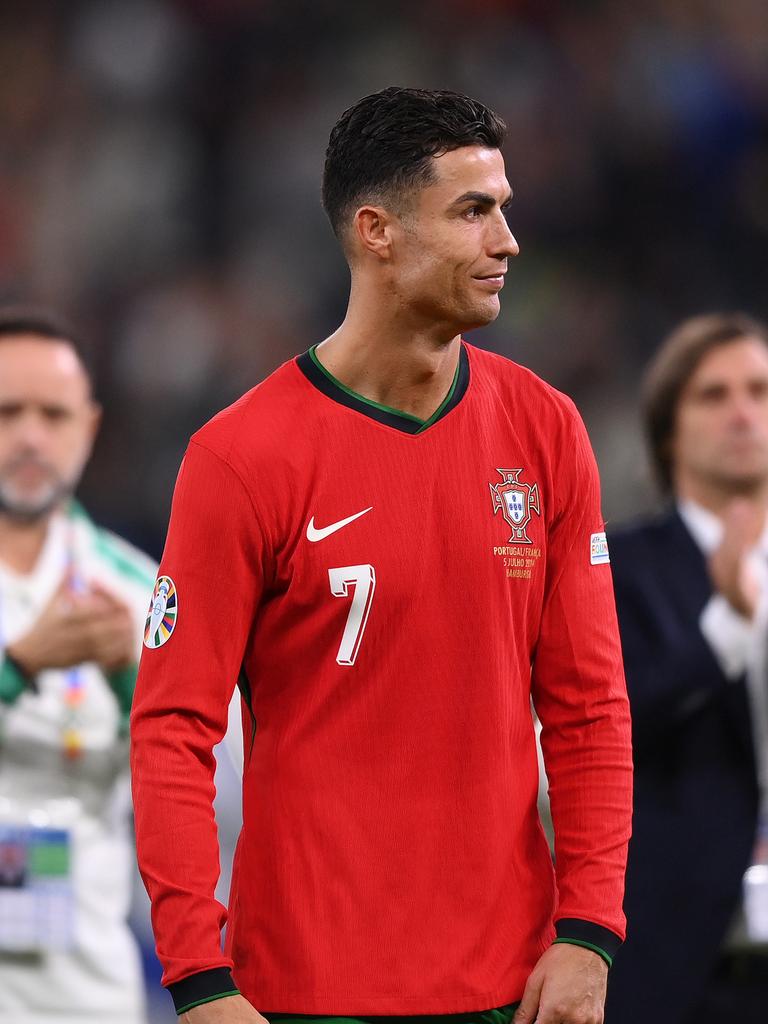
(695, 784)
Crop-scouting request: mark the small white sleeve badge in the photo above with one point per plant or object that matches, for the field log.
(163, 613)
(598, 549)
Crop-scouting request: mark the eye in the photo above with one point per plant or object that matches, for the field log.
(474, 212)
(712, 394)
(55, 414)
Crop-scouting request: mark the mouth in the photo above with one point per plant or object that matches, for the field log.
(27, 466)
(493, 281)
(27, 473)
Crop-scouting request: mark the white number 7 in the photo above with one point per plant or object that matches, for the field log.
(363, 578)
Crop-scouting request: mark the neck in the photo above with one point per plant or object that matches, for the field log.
(22, 542)
(382, 352)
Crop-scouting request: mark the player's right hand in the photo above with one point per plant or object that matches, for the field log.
(77, 628)
(743, 522)
(228, 1010)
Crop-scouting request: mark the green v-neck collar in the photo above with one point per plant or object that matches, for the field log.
(324, 381)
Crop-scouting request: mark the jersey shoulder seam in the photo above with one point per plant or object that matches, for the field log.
(512, 369)
(239, 409)
(224, 458)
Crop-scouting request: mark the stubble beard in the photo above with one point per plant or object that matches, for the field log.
(28, 509)
(745, 485)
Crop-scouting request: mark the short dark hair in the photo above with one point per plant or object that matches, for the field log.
(383, 145)
(672, 367)
(45, 324)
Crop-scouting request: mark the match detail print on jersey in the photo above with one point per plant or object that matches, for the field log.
(517, 501)
(163, 613)
(363, 578)
(314, 534)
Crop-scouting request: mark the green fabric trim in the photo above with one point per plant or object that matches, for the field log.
(361, 398)
(111, 548)
(123, 683)
(279, 1018)
(12, 683)
(75, 510)
(587, 945)
(108, 549)
(500, 1015)
(244, 686)
(208, 999)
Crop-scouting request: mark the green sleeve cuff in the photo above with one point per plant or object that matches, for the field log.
(12, 681)
(208, 999)
(587, 945)
(203, 987)
(123, 683)
(589, 935)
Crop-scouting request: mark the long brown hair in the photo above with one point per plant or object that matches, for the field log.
(673, 366)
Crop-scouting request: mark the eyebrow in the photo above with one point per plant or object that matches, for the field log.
(483, 198)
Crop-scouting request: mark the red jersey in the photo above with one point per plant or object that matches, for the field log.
(390, 594)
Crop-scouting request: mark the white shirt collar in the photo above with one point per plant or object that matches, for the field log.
(707, 529)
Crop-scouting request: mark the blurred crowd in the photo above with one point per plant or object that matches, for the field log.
(160, 166)
(159, 182)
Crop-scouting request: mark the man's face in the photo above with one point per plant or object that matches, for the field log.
(451, 251)
(721, 430)
(47, 424)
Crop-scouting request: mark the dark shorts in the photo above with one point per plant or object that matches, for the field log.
(500, 1015)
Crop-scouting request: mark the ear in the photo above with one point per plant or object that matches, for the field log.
(373, 229)
(94, 422)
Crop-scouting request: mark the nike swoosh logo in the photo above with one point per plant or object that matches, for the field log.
(314, 535)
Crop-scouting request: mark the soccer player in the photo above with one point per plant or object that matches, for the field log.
(391, 545)
(72, 604)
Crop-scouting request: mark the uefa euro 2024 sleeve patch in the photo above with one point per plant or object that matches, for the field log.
(163, 613)
(598, 549)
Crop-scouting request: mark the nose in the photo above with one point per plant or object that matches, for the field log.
(514, 248)
(504, 242)
(30, 432)
(745, 411)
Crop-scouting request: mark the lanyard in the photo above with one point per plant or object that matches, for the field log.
(74, 690)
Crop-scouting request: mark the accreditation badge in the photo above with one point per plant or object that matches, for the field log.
(37, 903)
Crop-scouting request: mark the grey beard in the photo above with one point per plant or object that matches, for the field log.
(32, 512)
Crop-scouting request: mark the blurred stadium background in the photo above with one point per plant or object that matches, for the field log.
(160, 166)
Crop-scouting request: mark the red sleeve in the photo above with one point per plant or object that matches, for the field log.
(214, 555)
(580, 697)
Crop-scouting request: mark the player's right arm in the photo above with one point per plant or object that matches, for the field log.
(216, 556)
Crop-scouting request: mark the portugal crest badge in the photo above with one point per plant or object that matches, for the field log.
(517, 501)
(163, 611)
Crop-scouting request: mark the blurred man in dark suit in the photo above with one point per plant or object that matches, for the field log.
(691, 590)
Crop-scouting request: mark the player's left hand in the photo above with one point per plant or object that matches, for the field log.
(567, 986)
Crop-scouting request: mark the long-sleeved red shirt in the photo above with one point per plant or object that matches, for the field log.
(390, 595)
